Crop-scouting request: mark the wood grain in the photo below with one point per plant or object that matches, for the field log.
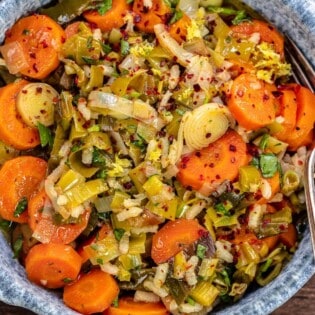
(301, 303)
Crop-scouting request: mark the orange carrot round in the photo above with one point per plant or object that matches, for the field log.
(288, 110)
(251, 102)
(173, 237)
(19, 178)
(266, 31)
(209, 167)
(178, 30)
(113, 18)
(39, 38)
(128, 306)
(302, 134)
(44, 227)
(289, 238)
(146, 18)
(93, 292)
(52, 265)
(13, 130)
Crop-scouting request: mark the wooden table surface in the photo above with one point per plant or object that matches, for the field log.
(300, 303)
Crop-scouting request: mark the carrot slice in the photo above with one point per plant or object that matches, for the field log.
(128, 306)
(178, 30)
(251, 102)
(289, 238)
(92, 293)
(146, 18)
(288, 110)
(113, 18)
(52, 265)
(13, 130)
(173, 237)
(209, 167)
(266, 31)
(19, 178)
(44, 227)
(302, 134)
(40, 39)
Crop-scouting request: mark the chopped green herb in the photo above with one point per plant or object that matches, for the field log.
(220, 208)
(103, 215)
(178, 14)
(100, 261)
(129, 1)
(240, 17)
(119, 233)
(140, 143)
(105, 6)
(264, 141)
(45, 135)
(17, 246)
(20, 207)
(98, 158)
(226, 277)
(124, 47)
(76, 147)
(89, 60)
(5, 225)
(266, 265)
(268, 164)
(201, 251)
(26, 31)
(106, 48)
(255, 162)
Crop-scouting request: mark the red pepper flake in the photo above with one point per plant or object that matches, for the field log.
(201, 177)
(39, 90)
(198, 154)
(44, 43)
(208, 135)
(203, 233)
(32, 55)
(217, 176)
(232, 148)
(35, 67)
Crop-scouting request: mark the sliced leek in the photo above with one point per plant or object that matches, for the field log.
(205, 125)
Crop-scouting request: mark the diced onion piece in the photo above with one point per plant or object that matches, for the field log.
(171, 45)
(36, 104)
(205, 125)
(14, 57)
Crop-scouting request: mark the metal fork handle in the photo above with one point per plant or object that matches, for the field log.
(310, 193)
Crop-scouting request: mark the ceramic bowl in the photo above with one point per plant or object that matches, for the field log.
(294, 17)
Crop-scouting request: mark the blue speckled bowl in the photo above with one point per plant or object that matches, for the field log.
(295, 17)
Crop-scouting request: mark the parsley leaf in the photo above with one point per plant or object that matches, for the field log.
(124, 47)
(17, 246)
(176, 16)
(220, 208)
(105, 6)
(45, 135)
(201, 251)
(264, 141)
(20, 207)
(89, 60)
(67, 280)
(119, 234)
(106, 48)
(268, 164)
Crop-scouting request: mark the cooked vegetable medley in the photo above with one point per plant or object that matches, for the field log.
(151, 153)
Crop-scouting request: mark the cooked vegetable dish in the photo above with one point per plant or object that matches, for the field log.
(151, 152)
